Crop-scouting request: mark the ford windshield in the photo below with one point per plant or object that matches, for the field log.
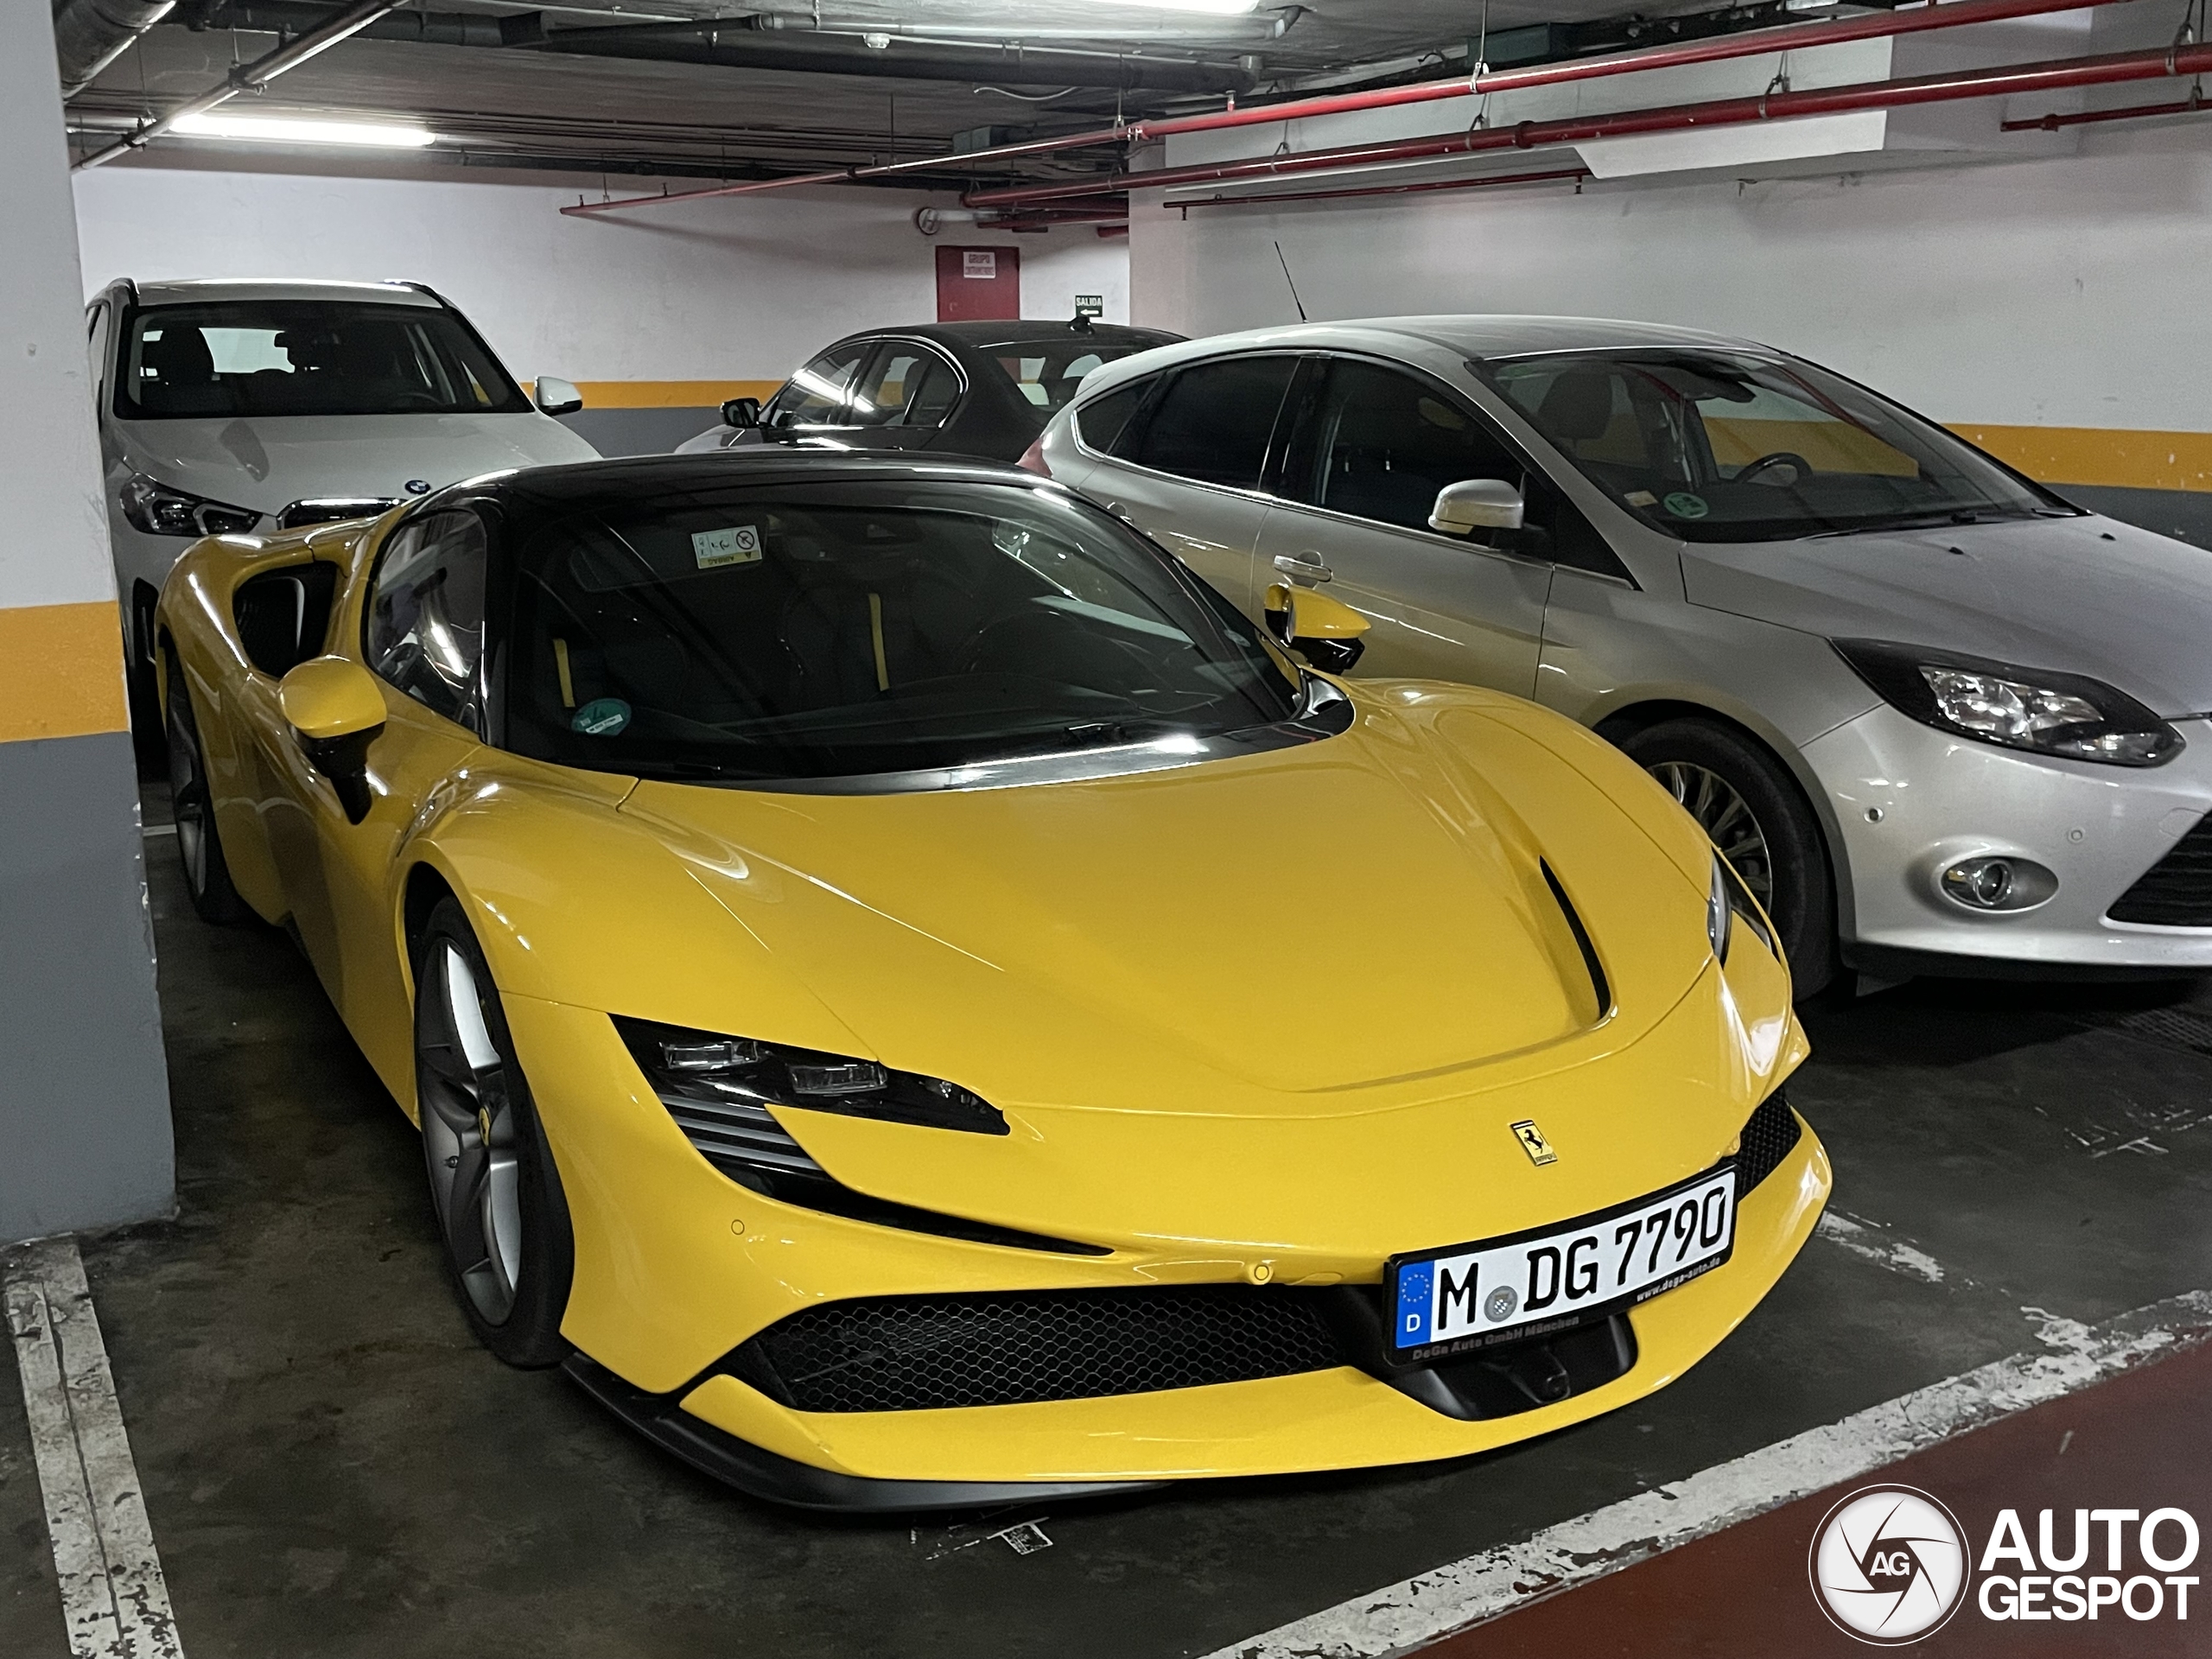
(1712, 446)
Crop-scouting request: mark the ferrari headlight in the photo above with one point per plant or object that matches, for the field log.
(158, 510)
(2037, 709)
(713, 1069)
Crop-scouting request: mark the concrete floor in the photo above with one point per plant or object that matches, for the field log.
(333, 1467)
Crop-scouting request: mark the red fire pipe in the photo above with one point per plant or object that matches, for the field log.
(1793, 37)
(2008, 78)
(2193, 105)
(1578, 174)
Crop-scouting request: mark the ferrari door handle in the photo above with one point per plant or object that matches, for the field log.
(1306, 565)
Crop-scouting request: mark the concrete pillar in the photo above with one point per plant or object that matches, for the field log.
(85, 1135)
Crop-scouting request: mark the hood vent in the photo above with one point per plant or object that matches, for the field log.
(1599, 985)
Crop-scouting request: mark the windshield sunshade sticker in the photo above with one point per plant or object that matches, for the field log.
(602, 717)
(1681, 504)
(738, 544)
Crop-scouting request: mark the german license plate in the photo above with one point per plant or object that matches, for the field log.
(1466, 1297)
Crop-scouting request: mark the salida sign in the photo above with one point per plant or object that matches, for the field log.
(1891, 1565)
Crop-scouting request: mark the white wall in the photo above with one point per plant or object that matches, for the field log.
(737, 288)
(2061, 292)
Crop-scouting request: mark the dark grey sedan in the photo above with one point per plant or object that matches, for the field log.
(982, 389)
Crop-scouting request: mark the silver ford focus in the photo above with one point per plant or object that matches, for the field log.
(1939, 719)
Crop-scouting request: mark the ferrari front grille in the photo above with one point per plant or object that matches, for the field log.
(2177, 891)
(1770, 1136)
(917, 1353)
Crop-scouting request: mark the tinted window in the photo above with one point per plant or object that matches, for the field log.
(1386, 442)
(904, 385)
(821, 393)
(426, 613)
(1102, 421)
(1213, 421)
(1714, 446)
(831, 630)
(307, 357)
(1047, 372)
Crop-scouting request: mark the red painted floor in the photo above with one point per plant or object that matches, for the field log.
(2141, 1442)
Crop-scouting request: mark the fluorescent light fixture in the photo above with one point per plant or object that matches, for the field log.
(288, 130)
(1213, 8)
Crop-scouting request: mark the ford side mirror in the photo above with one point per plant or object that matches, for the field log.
(1476, 504)
(336, 709)
(743, 413)
(1326, 631)
(556, 396)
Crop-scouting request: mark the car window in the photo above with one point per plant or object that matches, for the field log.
(825, 629)
(1047, 372)
(1386, 441)
(425, 631)
(1102, 421)
(1716, 446)
(905, 385)
(96, 347)
(307, 357)
(1214, 421)
(823, 393)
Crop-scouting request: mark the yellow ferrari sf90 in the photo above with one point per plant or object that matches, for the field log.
(914, 1003)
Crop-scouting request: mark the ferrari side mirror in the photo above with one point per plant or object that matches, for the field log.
(743, 413)
(336, 709)
(1326, 631)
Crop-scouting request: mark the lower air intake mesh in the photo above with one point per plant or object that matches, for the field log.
(1770, 1136)
(2177, 891)
(909, 1353)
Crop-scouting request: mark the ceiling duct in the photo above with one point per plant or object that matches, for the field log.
(89, 35)
(743, 43)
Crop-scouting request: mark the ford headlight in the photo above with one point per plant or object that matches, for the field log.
(158, 510)
(2036, 709)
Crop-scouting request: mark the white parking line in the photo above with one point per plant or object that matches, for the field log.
(1406, 1617)
(114, 1596)
(1862, 1238)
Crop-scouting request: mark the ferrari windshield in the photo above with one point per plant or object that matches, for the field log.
(1721, 447)
(307, 357)
(845, 629)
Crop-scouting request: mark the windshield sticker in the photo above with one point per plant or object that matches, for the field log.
(1681, 504)
(1641, 499)
(602, 717)
(741, 545)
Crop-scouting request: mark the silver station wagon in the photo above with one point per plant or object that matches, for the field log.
(1940, 719)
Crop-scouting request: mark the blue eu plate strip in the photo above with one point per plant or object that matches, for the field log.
(1414, 1280)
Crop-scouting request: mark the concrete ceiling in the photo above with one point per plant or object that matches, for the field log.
(518, 106)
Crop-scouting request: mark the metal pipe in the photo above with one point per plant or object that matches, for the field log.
(2193, 105)
(89, 35)
(2002, 81)
(1226, 31)
(250, 77)
(1795, 37)
(1259, 197)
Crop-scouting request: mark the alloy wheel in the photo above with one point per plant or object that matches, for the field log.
(188, 800)
(1726, 818)
(469, 1132)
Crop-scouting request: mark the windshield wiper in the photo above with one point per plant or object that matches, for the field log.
(1924, 521)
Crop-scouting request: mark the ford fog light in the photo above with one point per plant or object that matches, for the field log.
(1998, 883)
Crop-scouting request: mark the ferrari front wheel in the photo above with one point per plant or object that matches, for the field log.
(500, 1211)
(207, 875)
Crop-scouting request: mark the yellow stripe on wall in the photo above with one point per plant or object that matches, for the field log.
(2114, 459)
(60, 671)
(671, 394)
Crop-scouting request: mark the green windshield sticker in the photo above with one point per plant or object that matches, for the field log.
(1683, 505)
(739, 544)
(602, 717)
